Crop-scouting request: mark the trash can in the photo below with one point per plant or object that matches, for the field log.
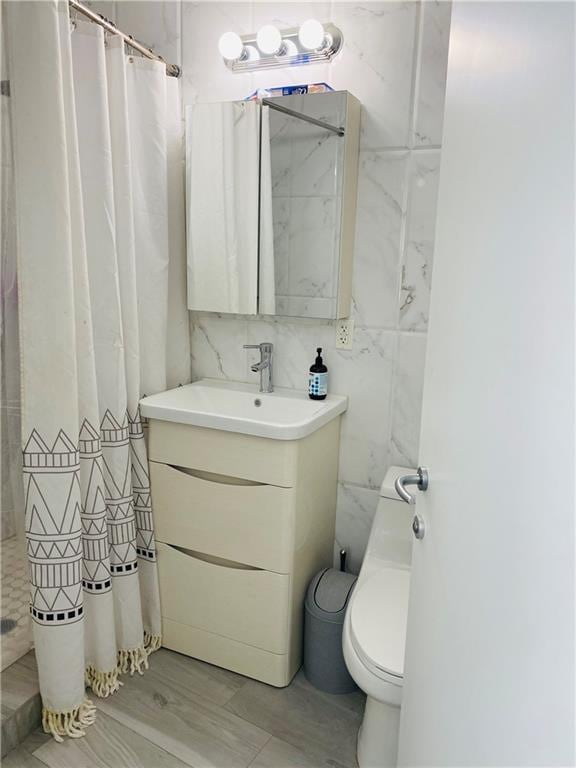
(324, 611)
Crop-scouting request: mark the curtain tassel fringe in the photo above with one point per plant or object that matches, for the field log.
(128, 660)
(71, 723)
(133, 660)
(152, 642)
(102, 683)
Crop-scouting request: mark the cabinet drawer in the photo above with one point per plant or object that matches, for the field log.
(273, 668)
(225, 453)
(249, 523)
(245, 604)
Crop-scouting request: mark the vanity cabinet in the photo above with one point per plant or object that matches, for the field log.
(242, 524)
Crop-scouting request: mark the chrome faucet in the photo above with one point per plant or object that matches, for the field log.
(264, 366)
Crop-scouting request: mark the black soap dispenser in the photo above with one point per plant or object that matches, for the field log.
(318, 379)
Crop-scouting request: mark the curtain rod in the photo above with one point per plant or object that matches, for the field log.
(173, 70)
(300, 116)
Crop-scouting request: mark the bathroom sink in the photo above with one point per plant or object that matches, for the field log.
(284, 414)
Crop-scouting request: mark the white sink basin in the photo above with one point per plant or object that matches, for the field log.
(234, 407)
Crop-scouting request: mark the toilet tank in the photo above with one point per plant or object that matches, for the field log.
(391, 533)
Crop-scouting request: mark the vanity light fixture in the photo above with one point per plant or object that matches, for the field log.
(270, 48)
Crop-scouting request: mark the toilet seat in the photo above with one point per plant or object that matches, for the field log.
(378, 617)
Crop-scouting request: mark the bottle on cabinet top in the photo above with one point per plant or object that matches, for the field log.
(318, 378)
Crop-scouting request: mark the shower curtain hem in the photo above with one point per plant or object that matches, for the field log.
(71, 723)
(104, 683)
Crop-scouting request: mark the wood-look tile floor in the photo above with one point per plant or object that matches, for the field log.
(184, 713)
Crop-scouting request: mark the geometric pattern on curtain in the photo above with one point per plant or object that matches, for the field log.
(95, 276)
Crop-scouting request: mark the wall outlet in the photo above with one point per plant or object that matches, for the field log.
(344, 333)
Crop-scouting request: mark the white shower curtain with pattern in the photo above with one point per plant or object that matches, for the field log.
(97, 161)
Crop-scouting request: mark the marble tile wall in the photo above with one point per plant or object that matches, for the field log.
(394, 61)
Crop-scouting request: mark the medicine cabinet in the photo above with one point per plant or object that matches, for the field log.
(271, 205)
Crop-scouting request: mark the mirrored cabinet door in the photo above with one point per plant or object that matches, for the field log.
(309, 167)
(222, 185)
(271, 204)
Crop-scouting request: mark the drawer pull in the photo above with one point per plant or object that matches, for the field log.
(212, 560)
(212, 477)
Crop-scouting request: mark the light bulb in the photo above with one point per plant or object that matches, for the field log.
(311, 35)
(252, 53)
(269, 39)
(290, 48)
(231, 46)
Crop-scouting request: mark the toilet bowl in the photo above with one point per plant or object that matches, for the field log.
(374, 635)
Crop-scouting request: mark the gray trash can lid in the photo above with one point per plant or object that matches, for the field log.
(328, 594)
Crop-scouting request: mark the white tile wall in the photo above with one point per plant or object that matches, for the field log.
(106, 8)
(153, 23)
(431, 72)
(354, 513)
(377, 66)
(423, 173)
(205, 77)
(394, 61)
(216, 346)
(407, 400)
(380, 218)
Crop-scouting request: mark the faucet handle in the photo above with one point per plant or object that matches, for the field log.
(267, 345)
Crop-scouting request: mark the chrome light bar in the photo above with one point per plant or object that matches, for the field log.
(291, 54)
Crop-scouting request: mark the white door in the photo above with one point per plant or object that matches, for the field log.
(490, 657)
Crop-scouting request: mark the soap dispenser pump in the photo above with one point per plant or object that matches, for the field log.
(318, 378)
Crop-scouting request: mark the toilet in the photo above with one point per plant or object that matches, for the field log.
(374, 634)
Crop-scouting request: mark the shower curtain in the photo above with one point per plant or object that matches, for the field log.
(97, 161)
